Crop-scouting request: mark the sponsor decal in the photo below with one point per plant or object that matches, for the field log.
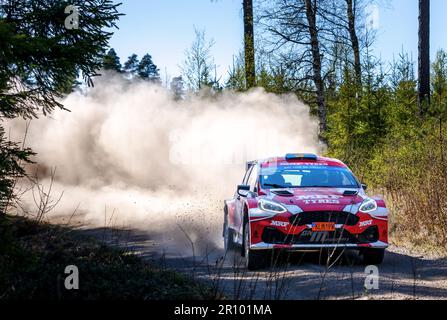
(302, 165)
(318, 196)
(366, 223)
(306, 233)
(320, 199)
(280, 223)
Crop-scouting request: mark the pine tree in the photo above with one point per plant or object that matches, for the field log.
(111, 61)
(131, 65)
(40, 59)
(41, 53)
(236, 74)
(439, 103)
(147, 70)
(439, 82)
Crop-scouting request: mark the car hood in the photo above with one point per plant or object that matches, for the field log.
(317, 199)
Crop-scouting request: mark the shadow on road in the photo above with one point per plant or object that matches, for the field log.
(303, 276)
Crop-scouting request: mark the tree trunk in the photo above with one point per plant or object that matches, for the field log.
(311, 14)
(424, 55)
(354, 41)
(250, 73)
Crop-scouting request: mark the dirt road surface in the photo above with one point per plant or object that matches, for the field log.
(403, 275)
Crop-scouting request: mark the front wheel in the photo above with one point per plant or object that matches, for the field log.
(254, 259)
(373, 256)
(228, 235)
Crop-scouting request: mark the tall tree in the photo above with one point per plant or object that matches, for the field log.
(250, 67)
(147, 70)
(424, 55)
(439, 99)
(198, 63)
(301, 37)
(111, 61)
(131, 65)
(351, 17)
(311, 9)
(236, 75)
(38, 54)
(347, 32)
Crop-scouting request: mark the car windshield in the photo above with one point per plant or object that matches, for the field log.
(307, 177)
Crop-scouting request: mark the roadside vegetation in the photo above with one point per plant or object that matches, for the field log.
(386, 120)
(41, 60)
(395, 150)
(34, 257)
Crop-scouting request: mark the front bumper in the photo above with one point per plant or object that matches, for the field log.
(278, 232)
(298, 247)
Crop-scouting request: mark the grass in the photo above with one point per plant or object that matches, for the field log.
(419, 210)
(35, 255)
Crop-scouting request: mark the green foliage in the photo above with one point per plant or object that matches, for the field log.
(383, 125)
(273, 79)
(12, 156)
(147, 70)
(111, 61)
(439, 87)
(133, 68)
(379, 132)
(403, 111)
(357, 119)
(131, 65)
(40, 60)
(236, 75)
(38, 55)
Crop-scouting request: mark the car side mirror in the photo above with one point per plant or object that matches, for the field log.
(243, 190)
(364, 186)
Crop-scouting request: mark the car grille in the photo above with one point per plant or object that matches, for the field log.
(275, 236)
(339, 217)
(334, 237)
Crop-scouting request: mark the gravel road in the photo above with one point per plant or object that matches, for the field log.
(403, 275)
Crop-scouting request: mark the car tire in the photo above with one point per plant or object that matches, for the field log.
(254, 259)
(228, 235)
(373, 256)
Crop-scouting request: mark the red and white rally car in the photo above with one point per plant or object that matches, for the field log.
(302, 202)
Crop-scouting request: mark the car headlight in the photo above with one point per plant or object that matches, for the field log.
(271, 206)
(368, 205)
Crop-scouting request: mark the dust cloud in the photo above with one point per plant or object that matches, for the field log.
(129, 155)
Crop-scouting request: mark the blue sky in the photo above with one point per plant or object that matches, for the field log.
(165, 28)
